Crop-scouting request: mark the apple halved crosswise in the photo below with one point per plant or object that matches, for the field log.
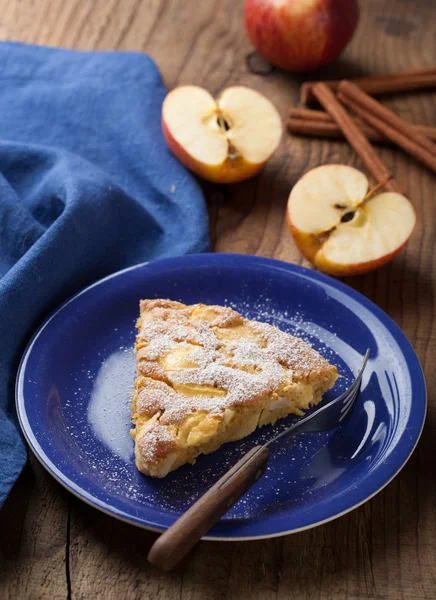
(340, 228)
(224, 140)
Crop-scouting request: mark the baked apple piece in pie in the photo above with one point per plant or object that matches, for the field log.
(207, 376)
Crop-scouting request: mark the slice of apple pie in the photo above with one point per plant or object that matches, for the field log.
(206, 376)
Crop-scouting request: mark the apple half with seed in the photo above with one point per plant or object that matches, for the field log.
(223, 140)
(340, 227)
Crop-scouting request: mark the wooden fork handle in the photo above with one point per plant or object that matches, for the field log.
(182, 536)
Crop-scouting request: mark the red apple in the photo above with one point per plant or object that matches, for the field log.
(340, 227)
(225, 139)
(300, 35)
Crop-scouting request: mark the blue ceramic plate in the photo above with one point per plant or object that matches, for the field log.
(75, 381)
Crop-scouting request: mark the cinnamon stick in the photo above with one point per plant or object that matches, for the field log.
(389, 124)
(308, 114)
(355, 136)
(377, 85)
(319, 129)
(325, 129)
(318, 123)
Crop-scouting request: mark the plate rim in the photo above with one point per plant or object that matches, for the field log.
(272, 262)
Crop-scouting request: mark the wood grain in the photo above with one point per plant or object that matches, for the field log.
(54, 546)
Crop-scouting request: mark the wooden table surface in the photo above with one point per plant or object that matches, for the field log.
(53, 545)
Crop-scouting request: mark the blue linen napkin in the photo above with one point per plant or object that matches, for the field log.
(87, 186)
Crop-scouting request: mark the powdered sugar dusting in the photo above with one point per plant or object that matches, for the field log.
(156, 443)
(116, 472)
(243, 368)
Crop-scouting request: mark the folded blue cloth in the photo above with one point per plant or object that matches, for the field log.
(87, 186)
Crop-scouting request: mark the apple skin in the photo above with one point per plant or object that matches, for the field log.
(300, 35)
(308, 246)
(231, 171)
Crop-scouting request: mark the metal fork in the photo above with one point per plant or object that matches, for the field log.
(182, 536)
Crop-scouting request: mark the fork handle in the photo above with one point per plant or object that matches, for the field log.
(181, 537)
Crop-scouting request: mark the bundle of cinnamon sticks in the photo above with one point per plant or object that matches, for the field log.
(373, 121)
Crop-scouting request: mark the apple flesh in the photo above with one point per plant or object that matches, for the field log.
(300, 35)
(340, 228)
(225, 140)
